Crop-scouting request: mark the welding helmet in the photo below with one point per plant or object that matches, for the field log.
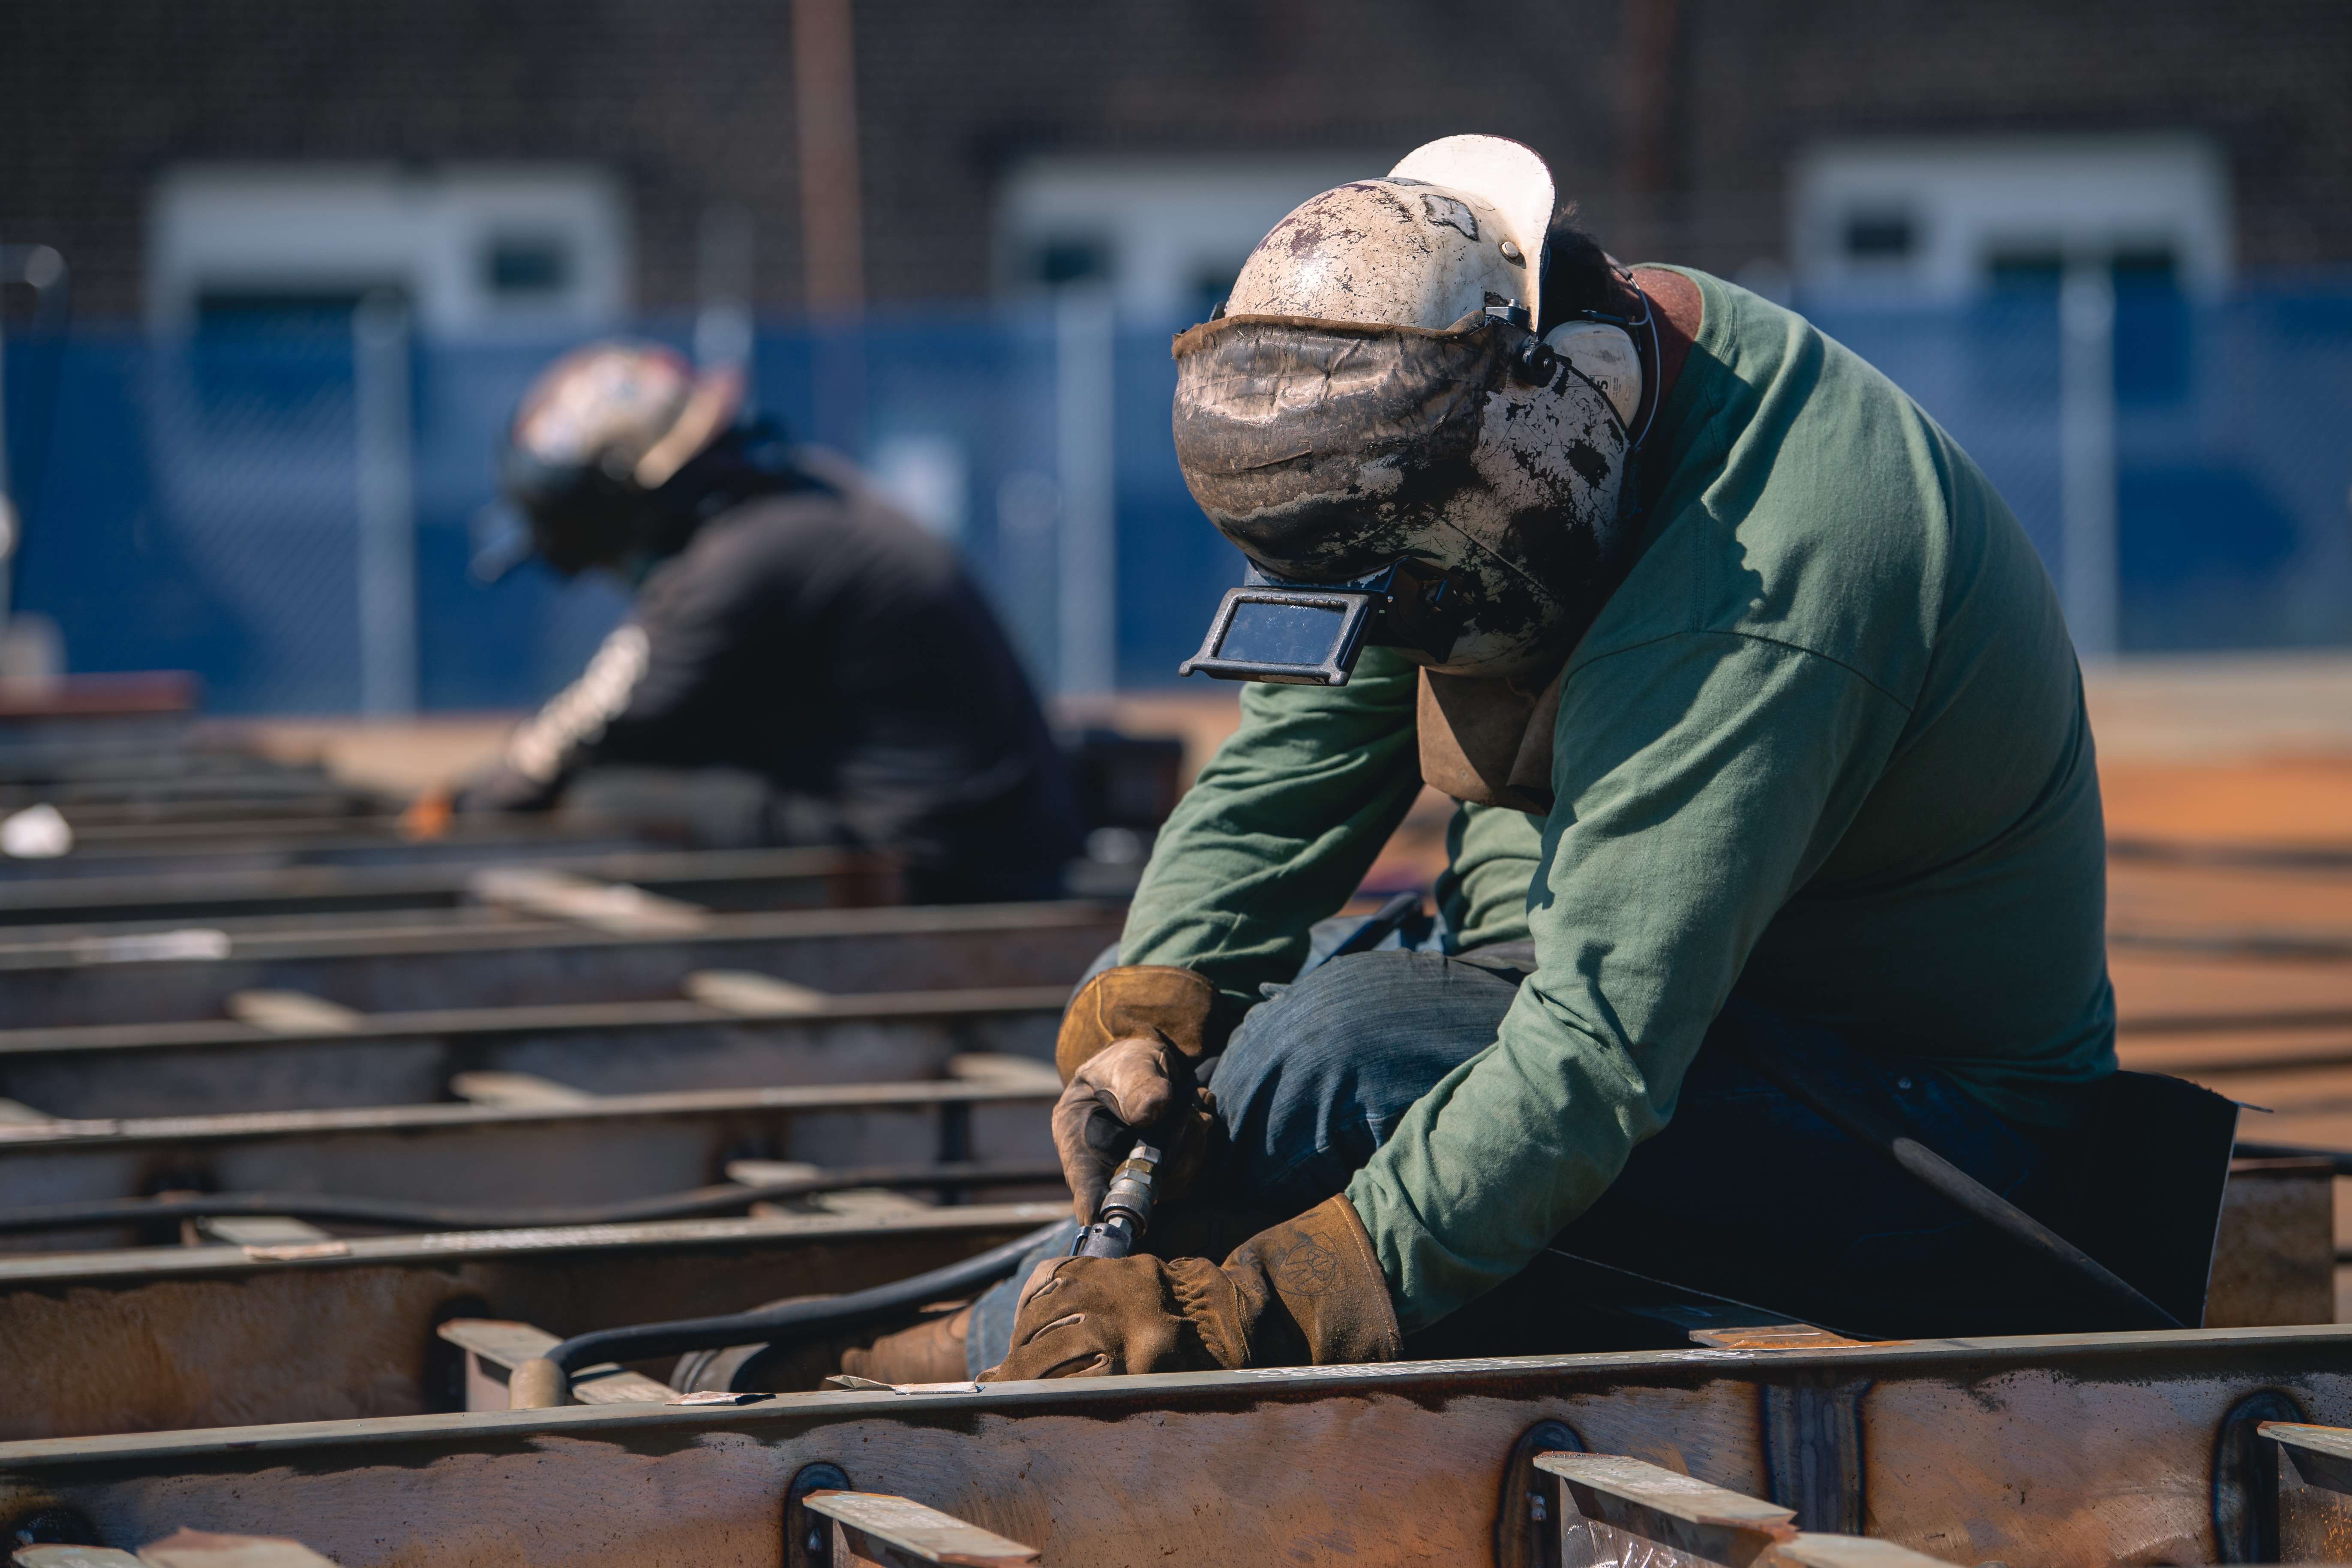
(1373, 420)
(593, 456)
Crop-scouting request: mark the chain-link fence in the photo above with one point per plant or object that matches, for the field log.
(232, 502)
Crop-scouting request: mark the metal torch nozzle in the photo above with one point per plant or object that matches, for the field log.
(1125, 1213)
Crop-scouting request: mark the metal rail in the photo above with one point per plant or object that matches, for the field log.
(2099, 1443)
(730, 1197)
(141, 979)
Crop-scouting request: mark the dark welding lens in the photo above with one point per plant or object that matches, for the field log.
(1295, 636)
(1265, 632)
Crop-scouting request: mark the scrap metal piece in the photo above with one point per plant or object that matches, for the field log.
(262, 1231)
(886, 1530)
(617, 907)
(754, 995)
(56, 1556)
(1813, 1549)
(292, 1013)
(1625, 1511)
(202, 1549)
(500, 1354)
(1774, 1337)
(515, 1088)
(850, 1382)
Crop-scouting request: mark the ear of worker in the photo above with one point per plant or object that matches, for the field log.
(1307, 1291)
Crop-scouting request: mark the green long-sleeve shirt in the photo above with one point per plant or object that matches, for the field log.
(1826, 742)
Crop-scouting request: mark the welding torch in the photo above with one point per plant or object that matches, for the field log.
(1125, 1212)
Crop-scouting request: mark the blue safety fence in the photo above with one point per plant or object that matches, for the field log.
(198, 501)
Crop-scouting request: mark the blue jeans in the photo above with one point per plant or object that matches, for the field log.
(1747, 1194)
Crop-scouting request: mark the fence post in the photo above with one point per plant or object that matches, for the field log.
(1087, 591)
(2086, 455)
(387, 553)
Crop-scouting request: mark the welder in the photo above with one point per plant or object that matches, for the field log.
(1769, 745)
(789, 625)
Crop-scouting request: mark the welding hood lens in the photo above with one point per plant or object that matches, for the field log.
(1305, 634)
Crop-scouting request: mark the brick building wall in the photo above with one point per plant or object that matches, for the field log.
(1672, 119)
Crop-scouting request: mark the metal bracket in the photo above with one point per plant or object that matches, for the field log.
(1527, 1517)
(2246, 1478)
(1812, 1452)
(808, 1535)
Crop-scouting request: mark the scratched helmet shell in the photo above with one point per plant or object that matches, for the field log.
(1374, 391)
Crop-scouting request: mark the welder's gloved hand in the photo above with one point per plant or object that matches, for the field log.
(1136, 1085)
(1309, 1291)
(1125, 1051)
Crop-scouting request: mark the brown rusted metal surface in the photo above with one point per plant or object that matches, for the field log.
(2076, 1452)
(490, 965)
(166, 1338)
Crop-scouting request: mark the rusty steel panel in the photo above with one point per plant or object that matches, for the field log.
(2074, 1452)
(166, 1338)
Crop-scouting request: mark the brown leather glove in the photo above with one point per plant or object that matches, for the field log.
(1126, 1050)
(1134, 1085)
(1307, 1291)
(1178, 1007)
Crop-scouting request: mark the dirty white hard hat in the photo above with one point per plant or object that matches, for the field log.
(1458, 224)
(1373, 392)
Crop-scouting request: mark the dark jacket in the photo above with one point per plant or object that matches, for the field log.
(821, 640)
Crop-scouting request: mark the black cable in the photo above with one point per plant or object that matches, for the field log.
(355, 1210)
(798, 1319)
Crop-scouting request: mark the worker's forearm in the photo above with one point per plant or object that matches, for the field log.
(1279, 829)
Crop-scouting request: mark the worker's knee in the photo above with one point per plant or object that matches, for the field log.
(1318, 1074)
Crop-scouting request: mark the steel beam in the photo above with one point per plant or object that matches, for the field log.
(495, 965)
(207, 1336)
(729, 880)
(594, 1151)
(2076, 1451)
(603, 1048)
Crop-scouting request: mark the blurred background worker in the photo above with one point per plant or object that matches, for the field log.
(789, 627)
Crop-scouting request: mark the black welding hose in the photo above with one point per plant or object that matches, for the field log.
(798, 1319)
(359, 1210)
(1939, 1176)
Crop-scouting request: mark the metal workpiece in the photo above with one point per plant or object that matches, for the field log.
(2071, 1448)
(172, 1337)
